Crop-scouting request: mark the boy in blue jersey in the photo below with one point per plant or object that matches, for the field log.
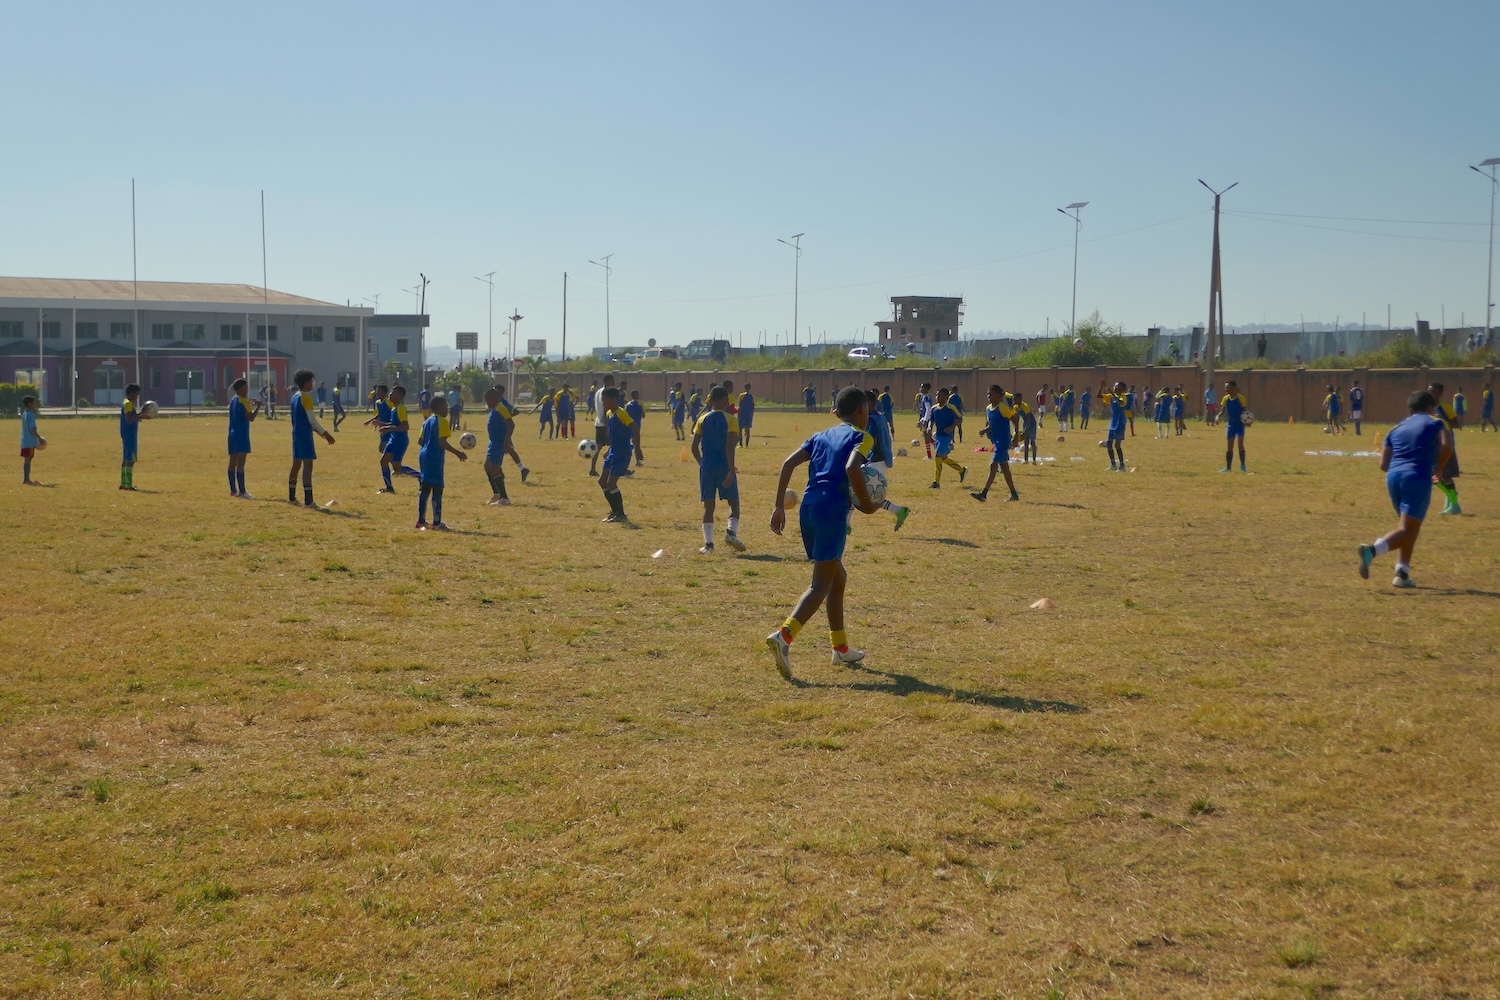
(1356, 406)
(433, 447)
(924, 415)
(499, 425)
(1460, 409)
(1026, 421)
(1448, 471)
(833, 458)
(1331, 406)
(957, 402)
(305, 424)
(31, 441)
(716, 435)
(999, 418)
(544, 421)
(424, 401)
(1487, 410)
(882, 454)
(241, 412)
(567, 412)
(695, 404)
(339, 414)
(1232, 409)
(1415, 448)
(1179, 411)
(1085, 406)
(322, 398)
(624, 438)
(1130, 401)
(678, 403)
(130, 422)
(637, 413)
(380, 403)
(747, 414)
(455, 409)
(810, 398)
(888, 409)
(945, 419)
(395, 433)
(1114, 440)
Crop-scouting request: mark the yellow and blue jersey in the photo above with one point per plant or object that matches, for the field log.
(829, 453)
(621, 440)
(1119, 407)
(1487, 404)
(398, 416)
(998, 424)
(128, 420)
(498, 431)
(1233, 407)
(430, 450)
(1446, 415)
(944, 418)
(712, 430)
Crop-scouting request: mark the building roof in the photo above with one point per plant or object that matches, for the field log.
(103, 290)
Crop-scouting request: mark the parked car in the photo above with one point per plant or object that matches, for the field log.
(658, 353)
(860, 354)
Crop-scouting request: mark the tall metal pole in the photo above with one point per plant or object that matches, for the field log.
(565, 318)
(135, 287)
(269, 382)
(75, 355)
(1215, 296)
(489, 279)
(604, 263)
(796, 244)
(1076, 210)
(515, 326)
(1489, 284)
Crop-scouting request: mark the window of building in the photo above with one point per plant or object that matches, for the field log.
(343, 334)
(12, 328)
(228, 376)
(51, 328)
(161, 331)
(231, 331)
(403, 345)
(121, 331)
(88, 331)
(192, 331)
(312, 334)
(260, 332)
(922, 333)
(156, 376)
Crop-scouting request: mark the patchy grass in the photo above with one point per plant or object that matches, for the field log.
(527, 758)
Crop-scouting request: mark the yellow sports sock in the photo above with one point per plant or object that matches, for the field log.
(937, 470)
(838, 638)
(792, 626)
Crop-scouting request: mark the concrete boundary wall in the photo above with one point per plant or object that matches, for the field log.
(1274, 394)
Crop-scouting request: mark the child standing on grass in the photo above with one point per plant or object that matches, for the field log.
(716, 435)
(1026, 417)
(339, 416)
(241, 413)
(432, 448)
(130, 423)
(833, 458)
(1233, 408)
(305, 424)
(1413, 449)
(1114, 441)
(31, 441)
(623, 436)
(637, 413)
(1448, 471)
(999, 417)
(1487, 409)
(500, 425)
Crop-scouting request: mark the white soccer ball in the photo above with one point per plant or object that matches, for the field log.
(1248, 419)
(467, 441)
(587, 447)
(1079, 343)
(901, 452)
(875, 482)
(791, 498)
(149, 408)
(916, 442)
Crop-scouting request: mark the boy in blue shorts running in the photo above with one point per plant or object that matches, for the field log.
(395, 435)
(241, 413)
(834, 483)
(305, 424)
(999, 418)
(623, 435)
(944, 418)
(432, 448)
(1415, 448)
(716, 435)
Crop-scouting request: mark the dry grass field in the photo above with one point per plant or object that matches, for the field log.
(253, 750)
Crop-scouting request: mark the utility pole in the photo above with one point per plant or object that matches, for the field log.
(796, 244)
(604, 263)
(1077, 216)
(565, 318)
(515, 327)
(1215, 295)
(422, 337)
(1489, 284)
(489, 279)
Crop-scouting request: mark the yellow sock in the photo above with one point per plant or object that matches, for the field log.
(838, 638)
(937, 470)
(792, 626)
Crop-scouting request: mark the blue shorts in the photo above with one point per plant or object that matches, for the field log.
(1002, 453)
(239, 444)
(1117, 435)
(303, 449)
(825, 527)
(495, 453)
(1410, 493)
(617, 463)
(944, 445)
(432, 475)
(711, 482)
(1234, 431)
(396, 445)
(128, 450)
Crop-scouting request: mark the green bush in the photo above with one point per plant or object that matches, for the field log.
(1103, 344)
(10, 398)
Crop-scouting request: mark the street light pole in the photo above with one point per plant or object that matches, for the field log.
(604, 263)
(796, 244)
(1077, 216)
(1215, 295)
(515, 327)
(1489, 285)
(489, 279)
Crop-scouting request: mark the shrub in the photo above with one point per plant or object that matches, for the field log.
(10, 398)
(1103, 344)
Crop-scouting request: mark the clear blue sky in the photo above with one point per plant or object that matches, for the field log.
(923, 148)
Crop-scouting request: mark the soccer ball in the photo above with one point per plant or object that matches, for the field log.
(791, 499)
(41, 444)
(1248, 419)
(1103, 443)
(1062, 437)
(875, 482)
(149, 408)
(468, 441)
(1080, 343)
(587, 447)
(901, 452)
(916, 442)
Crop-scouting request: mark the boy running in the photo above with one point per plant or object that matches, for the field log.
(241, 413)
(999, 417)
(395, 432)
(1232, 408)
(544, 420)
(882, 455)
(623, 436)
(716, 435)
(833, 458)
(1412, 450)
(339, 415)
(638, 414)
(500, 426)
(432, 448)
(305, 424)
(944, 420)
(1448, 471)
(1114, 441)
(130, 423)
(31, 441)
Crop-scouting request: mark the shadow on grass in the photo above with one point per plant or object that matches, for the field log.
(762, 557)
(961, 543)
(1456, 592)
(1052, 503)
(901, 685)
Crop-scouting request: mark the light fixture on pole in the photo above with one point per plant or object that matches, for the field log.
(1215, 295)
(1489, 284)
(489, 279)
(796, 244)
(1076, 210)
(515, 328)
(604, 263)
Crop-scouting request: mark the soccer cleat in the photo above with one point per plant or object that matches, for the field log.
(1242, 467)
(503, 502)
(308, 503)
(1014, 496)
(385, 489)
(902, 513)
(981, 496)
(847, 655)
(782, 651)
(525, 473)
(734, 541)
(1111, 467)
(706, 549)
(1226, 469)
(1366, 556)
(593, 474)
(1451, 508)
(935, 485)
(421, 525)
(1403, 581)
(130, 488)
(962, 473)
(246, 496)
(440, 526)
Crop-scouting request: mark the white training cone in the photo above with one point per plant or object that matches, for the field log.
(660, 554)
(1045, 604)
(331, 503)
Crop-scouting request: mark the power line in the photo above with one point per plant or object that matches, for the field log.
(1357, 232)
(1350, 218)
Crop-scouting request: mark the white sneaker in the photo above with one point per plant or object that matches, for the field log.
(782, 650)
(707, 549)
(850, 655)
(246, 496)
(734, 542)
